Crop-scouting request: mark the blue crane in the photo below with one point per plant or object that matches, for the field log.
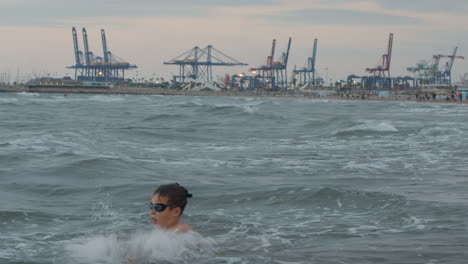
(78, 54)
(196, 64)
(89, 56)
(446, 72)
(98, 69)
(104, 46)
(430, 73)
(307, 74)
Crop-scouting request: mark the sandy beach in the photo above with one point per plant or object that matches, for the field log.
(315, 94)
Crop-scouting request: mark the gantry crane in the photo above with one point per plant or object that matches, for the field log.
(383, 68)
(380, 74)
(274, 74)
(196, 64)
(307, 75)
(431, 73)
(92, 68)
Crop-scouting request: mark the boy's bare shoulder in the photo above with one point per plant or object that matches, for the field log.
(183, 228)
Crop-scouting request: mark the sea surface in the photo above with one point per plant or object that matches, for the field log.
(286, 180)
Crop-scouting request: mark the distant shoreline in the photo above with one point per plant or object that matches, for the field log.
(166, 91)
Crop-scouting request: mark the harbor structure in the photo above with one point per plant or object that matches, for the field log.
(91, 68)
(380, 77)
(382, 69)
(436, 72)
(273, 75)
(197, 64)
(308, 76)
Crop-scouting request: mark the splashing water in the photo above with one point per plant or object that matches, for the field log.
(142, 247)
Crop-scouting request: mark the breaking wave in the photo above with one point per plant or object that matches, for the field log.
(368, 127)
(157, 246)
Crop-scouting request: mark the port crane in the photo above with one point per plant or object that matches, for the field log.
(91, 68)
(79, 66)
(383, 68)
(274, 73)
(307, 74)
(431, 73)
(197, 64)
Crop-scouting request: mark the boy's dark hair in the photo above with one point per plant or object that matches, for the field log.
(176, 194)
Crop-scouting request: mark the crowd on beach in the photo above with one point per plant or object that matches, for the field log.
(399, 96)
(454, 96)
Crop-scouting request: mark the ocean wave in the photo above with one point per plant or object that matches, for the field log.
(169, 117)
(442, 131)
(73, 98)
(107, 98)
(329, 212)
(62, 142)
(368, 127)
(8, 100)
(91, 164)
(5, 144)
(31, 143)
(28, 94)
(369, 166)
(143, 247)
(323, 197)
(250, 107)
(13, 216)
(330, 123)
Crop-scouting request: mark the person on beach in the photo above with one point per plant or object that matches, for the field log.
(167, 205)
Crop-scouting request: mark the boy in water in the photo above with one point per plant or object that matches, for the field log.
(167, 205)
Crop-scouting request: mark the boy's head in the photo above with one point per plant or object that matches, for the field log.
(168, 203)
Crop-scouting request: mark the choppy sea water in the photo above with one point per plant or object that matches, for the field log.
(274, 180)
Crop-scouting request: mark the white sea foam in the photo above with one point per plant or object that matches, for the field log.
(28, 94)
(8, 100)
(249, 109)
(338, 202)
(442, 131)
(98, 249)
(37, 144)
(106, 98)
(370, 126)
(366, 229)
(429, 158)
(375, 165)
(373, 125)
(58, 99)
(415, 223)
(141, 247)
(222, 147)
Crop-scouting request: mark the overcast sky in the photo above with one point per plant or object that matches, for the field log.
(36, 35)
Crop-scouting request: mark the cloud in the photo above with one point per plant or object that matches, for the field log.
(425, 6)
(59, 12)
(422, 6)
(340, 16)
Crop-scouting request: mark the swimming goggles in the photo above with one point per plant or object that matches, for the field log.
(160, 207)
